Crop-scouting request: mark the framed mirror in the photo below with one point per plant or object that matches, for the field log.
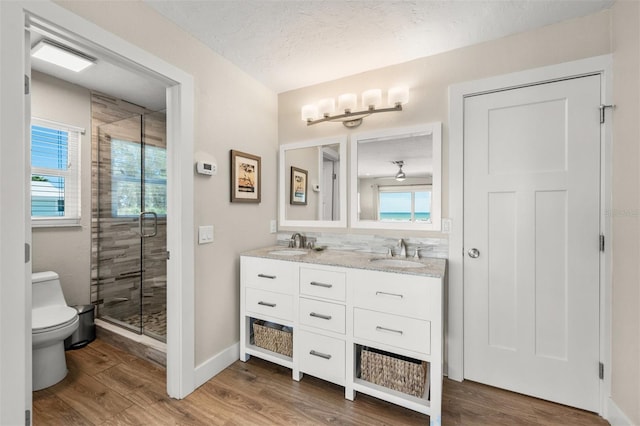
(396, 178)
(312, 183)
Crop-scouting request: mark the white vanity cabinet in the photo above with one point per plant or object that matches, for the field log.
(267, 293)
(322, 320)
(401, 314)
(336, 312)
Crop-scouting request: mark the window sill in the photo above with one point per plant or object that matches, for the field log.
(56, 223)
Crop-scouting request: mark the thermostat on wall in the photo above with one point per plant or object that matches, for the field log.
(206, 168)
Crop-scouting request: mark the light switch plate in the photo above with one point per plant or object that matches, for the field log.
(446, 226)
(205, 234)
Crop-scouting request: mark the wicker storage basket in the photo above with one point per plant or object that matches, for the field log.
(393, 372)
(273, 339)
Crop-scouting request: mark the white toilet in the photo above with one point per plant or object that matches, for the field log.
(52, 321)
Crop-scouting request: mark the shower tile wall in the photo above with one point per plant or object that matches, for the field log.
(118, 257)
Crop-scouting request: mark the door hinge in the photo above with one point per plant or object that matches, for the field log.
(27, 253)
(602, 242)
(168, 255)
(601, 371)
(27, 418)
(602, 107)
(26, 85)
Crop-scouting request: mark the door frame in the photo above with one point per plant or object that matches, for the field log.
(601, 65)
(15, 224)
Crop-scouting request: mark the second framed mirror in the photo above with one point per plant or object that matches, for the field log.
(396, 178)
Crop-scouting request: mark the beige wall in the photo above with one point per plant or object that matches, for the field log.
(232, 111)
(66, 250)
(430, 77)
(225, 97)
(626, 208)
(615, 31)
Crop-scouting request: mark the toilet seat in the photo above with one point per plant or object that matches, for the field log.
(49, 318)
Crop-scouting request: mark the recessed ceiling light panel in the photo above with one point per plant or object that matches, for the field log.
(62, 56)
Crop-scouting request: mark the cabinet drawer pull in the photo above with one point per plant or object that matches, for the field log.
(319, 354)
(271, 277)
(388, 330)
(382, 293)
(271, 305)
(325, 317)
(316, 283)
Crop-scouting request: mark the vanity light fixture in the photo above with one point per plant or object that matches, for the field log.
(400, 176)
(348, 105)
(61, 55)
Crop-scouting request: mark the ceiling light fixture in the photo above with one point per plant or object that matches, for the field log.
(61, 55)
(348, 103)
(400, 176)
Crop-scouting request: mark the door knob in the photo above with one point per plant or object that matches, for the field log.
(474, 253)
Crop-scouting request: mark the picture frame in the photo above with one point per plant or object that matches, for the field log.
(298, 187)
(246, 177)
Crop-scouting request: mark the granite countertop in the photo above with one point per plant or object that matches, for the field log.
(433, 267)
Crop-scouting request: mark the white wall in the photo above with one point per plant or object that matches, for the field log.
(66, 250)
(232, 111)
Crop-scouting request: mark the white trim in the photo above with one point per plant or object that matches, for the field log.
(457, 93)
(615, 416)
(57, 125)
(214, 365)
(15, 223)
(180, 238)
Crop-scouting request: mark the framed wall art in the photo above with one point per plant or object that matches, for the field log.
(298, 188)
(245, 177)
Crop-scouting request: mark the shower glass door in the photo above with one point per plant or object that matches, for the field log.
(131, 221)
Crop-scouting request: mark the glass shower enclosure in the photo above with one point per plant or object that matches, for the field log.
(132, 223)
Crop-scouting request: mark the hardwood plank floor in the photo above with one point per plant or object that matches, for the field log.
(106, 386)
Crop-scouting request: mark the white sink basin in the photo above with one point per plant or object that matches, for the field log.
(291, 252)
(397, 263)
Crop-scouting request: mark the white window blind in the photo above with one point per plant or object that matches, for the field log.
(55, 173)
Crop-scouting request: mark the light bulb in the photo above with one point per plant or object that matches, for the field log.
(309, 113)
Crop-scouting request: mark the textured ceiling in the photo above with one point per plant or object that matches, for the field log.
(288, 44)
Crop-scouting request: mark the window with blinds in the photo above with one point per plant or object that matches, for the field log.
(55, 173)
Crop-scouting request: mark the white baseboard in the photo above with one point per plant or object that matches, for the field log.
(615, 416)
(216, 364)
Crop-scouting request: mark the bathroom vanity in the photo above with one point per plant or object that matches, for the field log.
(350, 316)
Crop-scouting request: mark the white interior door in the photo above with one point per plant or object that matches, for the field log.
(532, 214)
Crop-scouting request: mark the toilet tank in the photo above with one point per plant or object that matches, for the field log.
(46, 290)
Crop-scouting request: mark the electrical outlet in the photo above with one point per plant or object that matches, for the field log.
(273, 226)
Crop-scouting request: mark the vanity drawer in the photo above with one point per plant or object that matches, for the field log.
(322, 356)
(268, 274)
(275, 305)
(321, 283)
(407, 295)
(322, 315)
(392, 330)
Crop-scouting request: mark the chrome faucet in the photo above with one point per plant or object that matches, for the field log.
(297, 241)
(403, 248)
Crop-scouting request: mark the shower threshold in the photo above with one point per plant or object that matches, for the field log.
(139, 345)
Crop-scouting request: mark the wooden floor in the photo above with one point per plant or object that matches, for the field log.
(106, 386)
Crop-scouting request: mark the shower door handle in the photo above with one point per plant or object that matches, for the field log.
(155, 224)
